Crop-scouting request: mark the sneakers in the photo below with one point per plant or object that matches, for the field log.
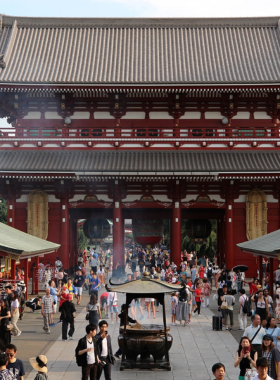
(71, 338)
(64, 340)
(240, 330)
(59, 321)
(48, 332)
(18, 334)
(198, 315)
(52, 324)
(142, 317)
(173, 324)
(230, 329)
(226, 328)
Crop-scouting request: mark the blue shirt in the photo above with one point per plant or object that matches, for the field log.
(95, 283)
(273, 333)
(53, 293)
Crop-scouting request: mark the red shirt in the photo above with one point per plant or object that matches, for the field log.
(201, 272)
(197, 293)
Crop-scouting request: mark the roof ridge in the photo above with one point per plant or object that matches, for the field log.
(60, 22)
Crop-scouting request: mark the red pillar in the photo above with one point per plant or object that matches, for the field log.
(229, 249)
(118, 236)
(64, 229)
(35, 278)
(271, 283)
(13, 269)
(176, 233)
(26, 277)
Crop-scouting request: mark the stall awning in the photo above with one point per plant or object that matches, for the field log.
(267, 245)
(20, 245)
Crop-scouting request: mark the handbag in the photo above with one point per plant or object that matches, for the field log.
(9, 327)
(87, 317)
(250, 374)
(224, 305)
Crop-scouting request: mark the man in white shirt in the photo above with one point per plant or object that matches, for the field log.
(113, 303)
(104, 349)
(86, 354)
(255, 333)
(262, 368)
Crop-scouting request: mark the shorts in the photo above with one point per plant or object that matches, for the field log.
(114, 309)
(79, 291)
(173, 311)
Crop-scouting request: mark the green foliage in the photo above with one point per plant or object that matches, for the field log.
(82, 240)
(3, 211)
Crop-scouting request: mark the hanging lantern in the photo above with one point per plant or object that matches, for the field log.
(198, 229)
(147, 232)
(96, 229)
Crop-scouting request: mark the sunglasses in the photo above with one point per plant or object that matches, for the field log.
(11, 355)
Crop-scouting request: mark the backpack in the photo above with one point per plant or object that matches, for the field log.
(209, 272)
(246, 307)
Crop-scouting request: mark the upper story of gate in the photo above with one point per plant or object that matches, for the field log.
(140, 83)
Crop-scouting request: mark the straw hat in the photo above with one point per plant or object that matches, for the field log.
(39, 363)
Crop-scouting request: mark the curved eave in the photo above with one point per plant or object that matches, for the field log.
(143, 286)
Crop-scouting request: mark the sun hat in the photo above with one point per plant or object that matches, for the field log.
(39, 363)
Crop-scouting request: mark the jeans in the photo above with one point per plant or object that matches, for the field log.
(65, 329)
(89, 370)
(197, 309)
(239, 286)
(106, 368)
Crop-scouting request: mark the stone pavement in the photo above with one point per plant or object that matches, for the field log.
(195, 349)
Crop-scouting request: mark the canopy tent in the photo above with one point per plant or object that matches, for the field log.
(267, 245)
(20, 245)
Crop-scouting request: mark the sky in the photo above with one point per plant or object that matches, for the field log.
(142, 8)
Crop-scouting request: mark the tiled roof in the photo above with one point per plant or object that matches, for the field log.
(154, 162)
(267, 245)
(139, 51)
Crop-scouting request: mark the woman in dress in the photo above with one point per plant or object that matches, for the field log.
(15, 314)
(184, 304)
(272, 355)
(101, 275)
(93, 308)
(206, 291)
(5, 315)
(261, 306)
(245, 357)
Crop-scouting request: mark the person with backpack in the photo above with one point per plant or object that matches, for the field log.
(243, 309)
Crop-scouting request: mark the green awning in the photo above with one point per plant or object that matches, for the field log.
(267, 245)
(20, 245)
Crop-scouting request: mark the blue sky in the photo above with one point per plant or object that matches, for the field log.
(142, 8)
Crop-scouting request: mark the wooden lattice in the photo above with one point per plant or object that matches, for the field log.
(256, 214)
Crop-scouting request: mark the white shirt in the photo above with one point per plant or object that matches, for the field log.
(90, 354)
(112, 296)
(267, 378)
(104, 347)
(14, 304)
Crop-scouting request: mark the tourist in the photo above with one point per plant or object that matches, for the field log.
(261, 305)
(242, 316)
(272, 355)
(122, 321)
(206, 291)
(118, 271)
(47, 310)
(21, 289)
(239, 280)
(14, 365)
(201, 271)
(150, 303)
(93, 308)
(227, 297)
(5, 374)
(219, 371)
(262, 369)
(209, 273)
(273, 330)
(113, 303)
(101, 275)
(93, 262)
(193, 273)
(174, 304)
(15, 314)
(68, 318)
(40, 364)
(79, 282)
(34, 303)
(105, 352)
(87, 354)
(8, 294)
(71, 288)
(168, 275)
(255, 332)
(269, 301)
(53, 292)
(184, 304)
(245, 357)
(198, 297)
(5, 315)
(95, 284)
(58, 264)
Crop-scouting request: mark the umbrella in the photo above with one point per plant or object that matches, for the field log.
(242, 268)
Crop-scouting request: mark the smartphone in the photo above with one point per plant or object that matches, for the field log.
(106, 332)
(246, 350)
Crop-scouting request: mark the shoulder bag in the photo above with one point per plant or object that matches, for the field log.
(224, 305)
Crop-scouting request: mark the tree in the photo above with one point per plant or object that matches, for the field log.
(82, 240)
(3, 211)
